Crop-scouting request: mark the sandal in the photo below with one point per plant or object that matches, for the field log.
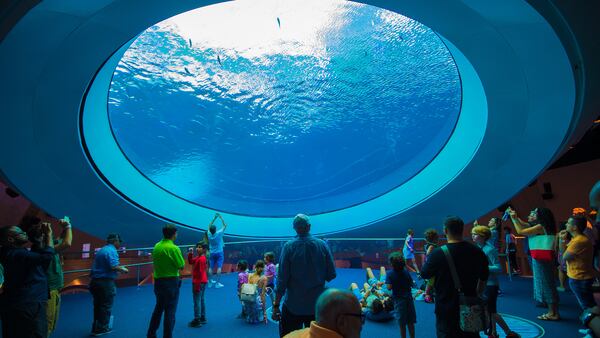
(545, 316)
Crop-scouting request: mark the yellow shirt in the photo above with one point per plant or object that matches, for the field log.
(581, 266)
(314, 331)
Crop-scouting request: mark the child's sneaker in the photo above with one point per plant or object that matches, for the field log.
(218, 285)
(195, 323)
(202, 320)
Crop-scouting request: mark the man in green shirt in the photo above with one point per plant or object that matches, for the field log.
(168, 261)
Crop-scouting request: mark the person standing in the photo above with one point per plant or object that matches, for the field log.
(541, 232)
(579, 255)
(55, 272)
(482, 237)
(102, 286)
(306, 264)
(472, 268)
(25, 292)
(199, 281)
(168, 261)
(409, 251)
(217, 256)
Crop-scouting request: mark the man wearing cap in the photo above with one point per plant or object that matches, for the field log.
(102, 287)
(306, 264)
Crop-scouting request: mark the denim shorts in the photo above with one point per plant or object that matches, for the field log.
(216, 260)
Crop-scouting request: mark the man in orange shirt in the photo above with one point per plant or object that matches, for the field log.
(579, 255)
(338, 315)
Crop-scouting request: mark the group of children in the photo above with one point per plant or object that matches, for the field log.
(385, 298)
(252, 287)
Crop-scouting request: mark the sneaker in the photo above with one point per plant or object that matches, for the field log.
(202, 320)
(559, 289)
(218, 285)
(585, 331)
(210, 284)
(195, 323)
(101, 333)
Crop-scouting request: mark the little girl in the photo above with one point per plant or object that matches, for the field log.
(431, 242)
(399, 281)
(242, 268)
(409, 251)
(270, 269)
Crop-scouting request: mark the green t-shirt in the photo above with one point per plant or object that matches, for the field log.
(55, 274)
(167, 259)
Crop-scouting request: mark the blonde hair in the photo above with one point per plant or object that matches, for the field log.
(482, 231)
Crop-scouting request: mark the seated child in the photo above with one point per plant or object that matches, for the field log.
(242, 268)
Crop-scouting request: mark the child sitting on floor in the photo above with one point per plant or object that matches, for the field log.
(376, 306)
(199, 281)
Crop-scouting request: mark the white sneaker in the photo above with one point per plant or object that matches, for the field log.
(585, 331)
(218, 285)
(210, 284)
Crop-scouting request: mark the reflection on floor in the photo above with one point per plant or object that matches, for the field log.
(133, 307)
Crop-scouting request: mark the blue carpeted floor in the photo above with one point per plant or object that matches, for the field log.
(133, 307)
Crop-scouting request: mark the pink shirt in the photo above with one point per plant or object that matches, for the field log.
(242, 278)
(270, 272)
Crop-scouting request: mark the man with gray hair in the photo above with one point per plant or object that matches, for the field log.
(306, 264)
(338, 315)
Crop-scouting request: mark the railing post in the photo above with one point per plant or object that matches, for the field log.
(137, 282)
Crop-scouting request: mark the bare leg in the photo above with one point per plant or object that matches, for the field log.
(367, 287)
(553, 310)
(411, 330)
(561, 278)
(370, 273)
(353, 286)
(498, 319)
(403, 331)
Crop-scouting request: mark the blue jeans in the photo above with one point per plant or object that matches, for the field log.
(199, 307)
(583, 292)
(166, 291)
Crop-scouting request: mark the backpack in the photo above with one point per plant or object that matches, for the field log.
(248, 292)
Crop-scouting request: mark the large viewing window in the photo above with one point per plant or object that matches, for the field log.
(274, 107)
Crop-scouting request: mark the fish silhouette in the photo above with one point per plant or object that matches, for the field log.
(190, 43)
(278, 22)
(219, 60)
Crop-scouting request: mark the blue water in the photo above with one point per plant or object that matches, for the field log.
(276, 110)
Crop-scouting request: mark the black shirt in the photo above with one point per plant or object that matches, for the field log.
(471, 266)
(25, 278)
(401, 283)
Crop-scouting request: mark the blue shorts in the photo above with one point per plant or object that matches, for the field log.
(373, 281)
(358, 294)
(216, 260)
(404, 308)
